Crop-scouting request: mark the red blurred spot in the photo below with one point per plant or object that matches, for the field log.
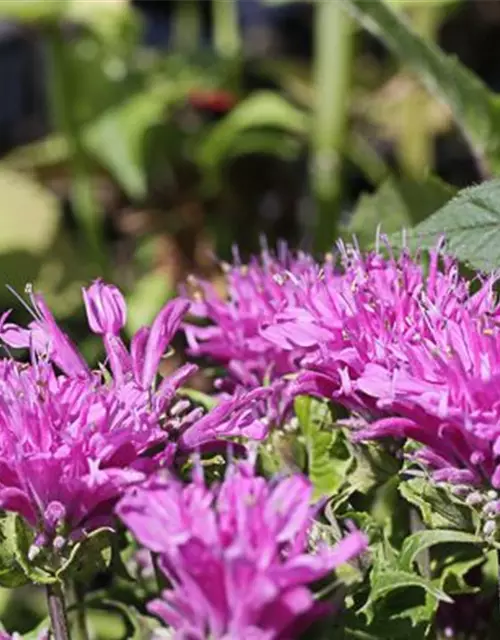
(216, 100)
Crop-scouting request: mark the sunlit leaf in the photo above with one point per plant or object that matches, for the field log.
(475, 108)
(470, 224)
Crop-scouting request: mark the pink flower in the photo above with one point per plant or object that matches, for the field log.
(72, 440)
(257, 293)
(105, 307)
(235, 555)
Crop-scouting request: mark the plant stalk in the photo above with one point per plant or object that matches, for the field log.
(57, 612)
(334, 39)
(416, 145)
(61, 95)
(187, 26)
(226, 30)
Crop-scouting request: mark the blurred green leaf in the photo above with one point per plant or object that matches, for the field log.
(31, 10)
(417, 3)
(471, 225)
(149, 295)
(397, 204)
(198, 397)
(262, 110)
(116, 139)
(476, 109)
(29, 214)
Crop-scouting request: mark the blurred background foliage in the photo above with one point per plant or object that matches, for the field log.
(141, 139)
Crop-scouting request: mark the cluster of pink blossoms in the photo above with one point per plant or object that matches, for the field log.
(235, 555)
(75, 442)
(407, 344)
(72, 439)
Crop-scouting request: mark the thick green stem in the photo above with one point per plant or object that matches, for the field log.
(61, 94)
(226, 30)
(332, 78)
(57, 612)
(187, 26)
(416, 145)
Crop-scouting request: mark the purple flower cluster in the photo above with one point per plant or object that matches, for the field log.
(235, 555)
(72, 439)
(405, 343)
(258, 292)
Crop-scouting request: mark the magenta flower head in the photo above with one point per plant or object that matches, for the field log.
(105, 307)
(256, 293)
(72, 439)
(235, 555)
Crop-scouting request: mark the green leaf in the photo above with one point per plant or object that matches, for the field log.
(149, 295)
(422, 540)
(452, 568)
(474, 107)
(471, 225)
(11, 573)
(328, 457)
(438, 508)
(88, 557)
(198, 397)
(397, 203)
(24, 537)
(31, 10)
(116, 138)
(262, 110)
(387, 581)
(373, 467)
(29, 214)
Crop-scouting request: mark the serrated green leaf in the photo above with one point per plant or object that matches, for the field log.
(453, 568)
(11, 573)
(23, 539)
(474, 107)
(470, 223)
(397, 204)
(328, 457)
(88, 557)
(418, 542)
(387, 581)
(438, 509)
(373, 467)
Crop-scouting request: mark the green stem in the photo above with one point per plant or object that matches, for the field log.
(332, 77)
(160, 578)
(62, 77)
(416, 146)
(226, 30)
(187, 25)
(57, 612)
(81, 630)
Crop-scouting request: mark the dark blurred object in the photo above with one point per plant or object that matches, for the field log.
(22, 108)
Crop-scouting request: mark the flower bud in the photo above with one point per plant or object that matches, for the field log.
(105, 307)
